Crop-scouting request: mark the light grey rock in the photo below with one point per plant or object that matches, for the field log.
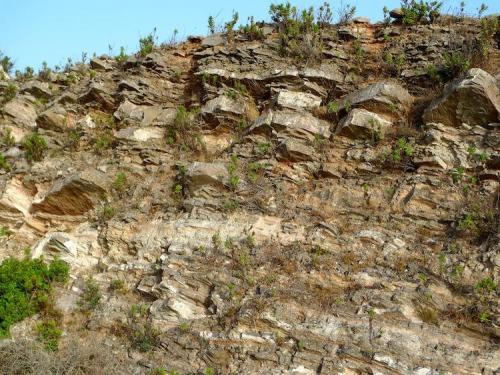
(21, 112)
(473, 100)
(98, 63)
(295, 151)
(213, 40)
(37, 89)
(206, 174)
(384, 97)
(54, 118)
(362, 124)
(143, 134)
(287, 123)
(298, 100)
(99, 93)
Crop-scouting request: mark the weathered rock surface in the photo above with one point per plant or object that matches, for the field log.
(256, 213)
(73, 195)
(290, 123)
(360, 123)
(473, 100)
(388, 98)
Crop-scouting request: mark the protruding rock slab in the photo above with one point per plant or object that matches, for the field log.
(295, 151)
(54, 118)
(74, 195)
(474, 100)
(298, 100)
(206, 174)
(140, 134)
(387, 97)
(21, 112)
(360, 123)
(224, 109)
(287, 123)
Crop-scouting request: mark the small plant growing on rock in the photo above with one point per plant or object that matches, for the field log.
(35, 147)
(122, 56)
(5, 231)
(119, 182)
(6, 138)
(45, 72)
(301, 345)
(91, 296)
(252, 31)
(234, 179)
(482, 10)
(263, 148)
(298, 31)
(107, 212)
(489, 28)
(9, 93)
(486, 285)
(118, 285)
(455, 64)
(394, 63)
(230, 26)
(457, 174)
(401, 149)
(415, 12)
(49, 334)
(346, 13)
(211, 24)
(4, 164)
(147, 43)
(6, 63)
(325, 15)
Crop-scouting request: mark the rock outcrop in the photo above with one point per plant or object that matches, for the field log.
(472, 100)
(249, 209)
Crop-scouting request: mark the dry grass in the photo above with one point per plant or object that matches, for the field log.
(29, 358)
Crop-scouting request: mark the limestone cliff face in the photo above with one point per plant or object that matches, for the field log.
(274, 216)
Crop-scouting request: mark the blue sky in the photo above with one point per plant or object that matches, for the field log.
(52, 30)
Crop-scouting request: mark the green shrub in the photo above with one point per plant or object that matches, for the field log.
(35, 146)
(455, 64)
(49, 334)
(346, 13)
(415, 12)
(28, 73)
(252, 31)
(25, 286)
(325, 15)
(102, 142)
(298, 31)
(7, 139)
(45, 72)
(118, 285)
(401, 149)
(486, 285)
(6, 63)
(4, 164)
(5, 231)
(230, 26)
(147, 43)
(91, 296)
(489, 28)
(144, 337)
(120, 181)
(211, 24)
(122, 57)
(394, 63)
(10, 92)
